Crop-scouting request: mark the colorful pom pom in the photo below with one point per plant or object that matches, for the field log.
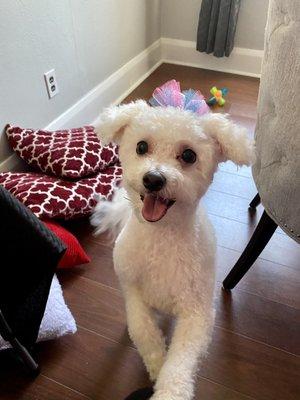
(169, 94)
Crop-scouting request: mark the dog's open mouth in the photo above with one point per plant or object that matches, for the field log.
(155, 207)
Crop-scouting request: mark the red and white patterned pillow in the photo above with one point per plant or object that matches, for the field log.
(72, 153)
(51, 197)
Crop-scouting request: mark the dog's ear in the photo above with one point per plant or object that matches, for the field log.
(232, 140)
(113, 121)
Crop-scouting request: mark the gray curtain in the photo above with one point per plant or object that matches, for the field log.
(217, 25)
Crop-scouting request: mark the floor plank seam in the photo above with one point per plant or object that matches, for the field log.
(230, 219)
(260, 258)
(261, 297)
(98, 283)
(231, 194)
(225, 386)
(65, 386)
(233, 173)
(258, 341)
(237, 173)
(241, 222)
(108, 338)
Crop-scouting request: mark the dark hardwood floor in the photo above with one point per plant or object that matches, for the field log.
(256, 341)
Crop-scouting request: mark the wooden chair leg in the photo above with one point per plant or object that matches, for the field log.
(261, 236)
(255, 202)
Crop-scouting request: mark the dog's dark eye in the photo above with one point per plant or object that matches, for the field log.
(142, 147)
(189, 156)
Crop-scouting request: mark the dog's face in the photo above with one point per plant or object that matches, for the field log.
(169, 156)
(167, 161)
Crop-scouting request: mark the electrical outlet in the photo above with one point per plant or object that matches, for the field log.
(51, 83)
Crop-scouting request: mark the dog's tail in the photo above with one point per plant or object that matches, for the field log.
(111, 216)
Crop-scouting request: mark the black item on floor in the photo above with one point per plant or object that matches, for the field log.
(141, 394)
(29, 254)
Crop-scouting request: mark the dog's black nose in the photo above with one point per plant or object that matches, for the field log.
(154, 181)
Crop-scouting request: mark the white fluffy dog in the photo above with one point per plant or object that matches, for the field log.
(164, 256)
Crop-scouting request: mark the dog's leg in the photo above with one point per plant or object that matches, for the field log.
(144, 332)
(190, 340)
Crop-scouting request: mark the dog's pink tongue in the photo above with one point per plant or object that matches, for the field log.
(154, 208)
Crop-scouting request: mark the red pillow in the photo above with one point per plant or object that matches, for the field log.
(72, 153)
(74, 255)
(51, 197)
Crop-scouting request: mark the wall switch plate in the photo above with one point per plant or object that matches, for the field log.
(51, 83)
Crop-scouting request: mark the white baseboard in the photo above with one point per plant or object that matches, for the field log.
(122, 82)
(241, 61)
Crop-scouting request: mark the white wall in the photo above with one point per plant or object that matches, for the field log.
(179, 20)
(84, 40)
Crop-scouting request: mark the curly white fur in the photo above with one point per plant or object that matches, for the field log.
(168, 265)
